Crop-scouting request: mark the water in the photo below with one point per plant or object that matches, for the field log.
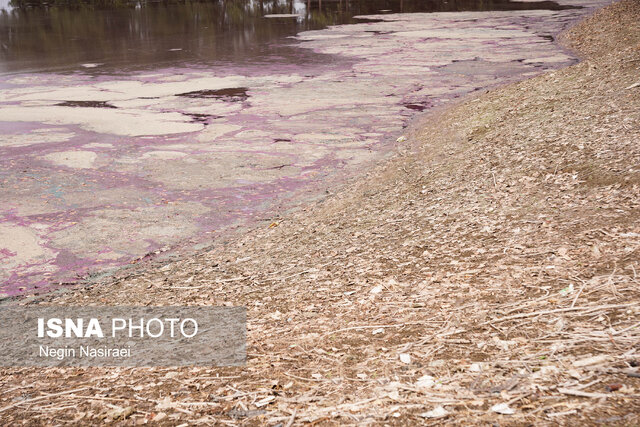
(135, 36)
(129, 131)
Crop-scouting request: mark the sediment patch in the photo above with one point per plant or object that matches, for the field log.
(236, 94)
(86, 104)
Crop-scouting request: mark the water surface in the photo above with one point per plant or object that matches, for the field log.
(133, 36)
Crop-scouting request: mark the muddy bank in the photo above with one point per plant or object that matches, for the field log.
(487, 273)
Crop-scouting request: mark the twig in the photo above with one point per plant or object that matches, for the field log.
(584, 284)
(234, 279)
(35, 399)
(369, 327)
(626, 329)
(580, 393)
(113, 399)
(293, 417)
(216, 378)
(562, 414)
(515, 399)
(559, 310)
(631, 373)
(300, 378)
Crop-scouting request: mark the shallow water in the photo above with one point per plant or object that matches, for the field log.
(153, 34)
(123, 156)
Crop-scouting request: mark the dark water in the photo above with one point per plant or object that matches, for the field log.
(123, 36)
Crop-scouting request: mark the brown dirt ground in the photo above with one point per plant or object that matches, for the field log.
(498, 249)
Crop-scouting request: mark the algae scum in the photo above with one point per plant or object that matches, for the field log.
(178, 121)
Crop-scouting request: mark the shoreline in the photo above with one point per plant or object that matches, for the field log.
(498, 250)
(86, 207)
